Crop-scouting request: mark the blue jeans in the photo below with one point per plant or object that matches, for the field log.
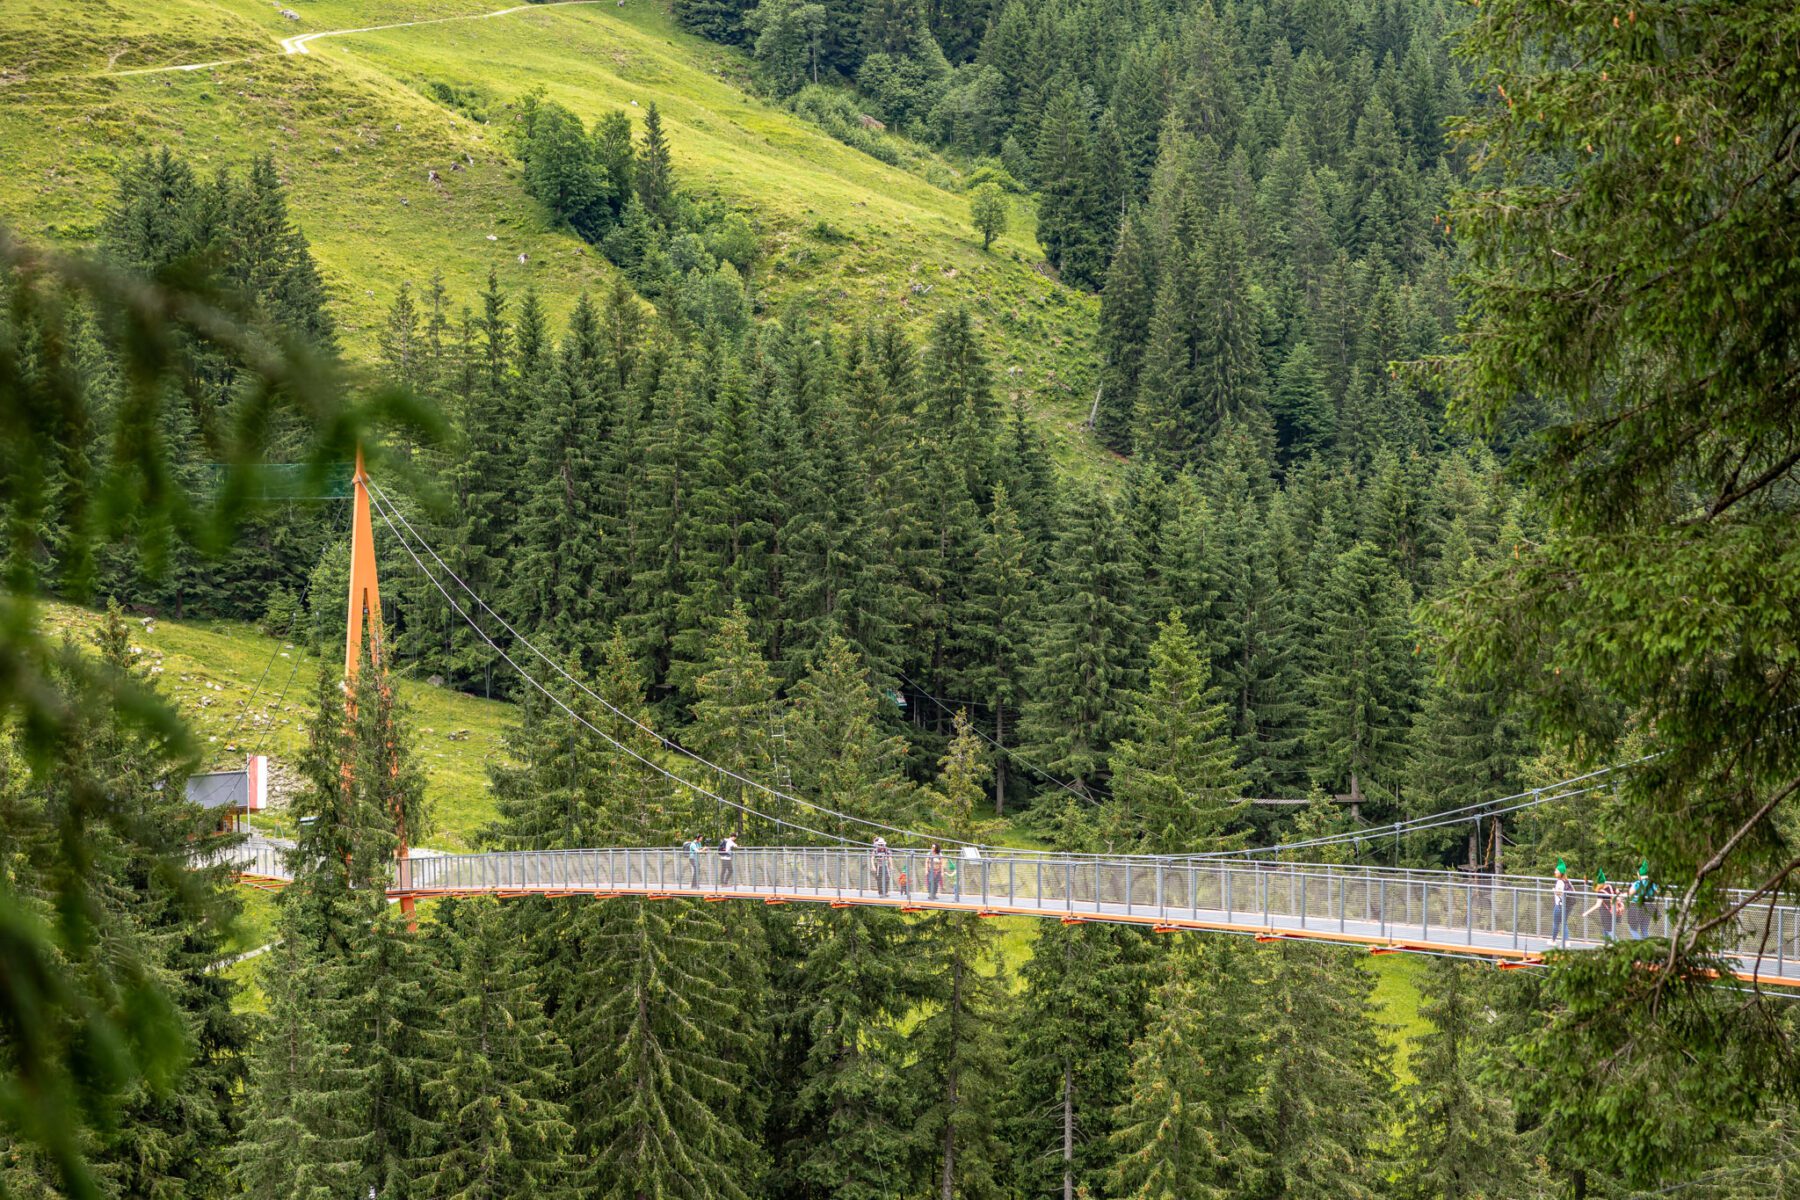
(1559, 922)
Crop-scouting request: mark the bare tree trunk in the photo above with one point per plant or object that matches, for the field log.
(1000, 758)
(1068, 1147)
(947, 1180)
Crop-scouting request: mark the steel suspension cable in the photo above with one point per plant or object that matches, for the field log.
(1440, 820)
(667, 743)
(1009, 752)
(589, 725)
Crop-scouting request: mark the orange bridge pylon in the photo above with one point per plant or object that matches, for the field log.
(365, 616)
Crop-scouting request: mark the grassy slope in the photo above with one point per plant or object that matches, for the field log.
(210, 670)
(355, 134)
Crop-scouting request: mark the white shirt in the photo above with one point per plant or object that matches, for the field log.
(1561, 890)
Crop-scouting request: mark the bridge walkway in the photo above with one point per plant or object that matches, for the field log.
(1502, 917)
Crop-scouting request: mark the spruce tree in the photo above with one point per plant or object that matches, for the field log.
(654, 1019)
(995, 627)
(1069, 228)
(849, 1133)
(1457, 1139)
(1086, 653)
(1324, 1080)
(960, 1064)
(838, 751)
(1362, 674)
(653, 172)
(735, 716)
(1229, 380)
(1084, 1003)
(1126, 307)
(557, 566)
(493, 1068)
(1166, 1131)
(1304, 421)
(1175, 785)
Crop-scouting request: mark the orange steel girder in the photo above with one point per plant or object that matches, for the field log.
(365, 617)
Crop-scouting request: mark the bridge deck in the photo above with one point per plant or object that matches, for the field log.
(1508, 918)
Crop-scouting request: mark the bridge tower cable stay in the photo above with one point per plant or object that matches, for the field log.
(364, 620)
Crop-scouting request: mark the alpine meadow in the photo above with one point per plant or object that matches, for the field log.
(899, 600)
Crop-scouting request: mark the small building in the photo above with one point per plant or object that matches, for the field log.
(230, 793)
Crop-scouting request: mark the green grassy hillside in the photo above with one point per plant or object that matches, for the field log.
(215, 673)
(357, 126)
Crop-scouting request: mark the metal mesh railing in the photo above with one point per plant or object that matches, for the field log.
(1481, 912)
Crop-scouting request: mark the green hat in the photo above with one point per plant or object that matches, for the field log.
(1599, 876)
(1561, 866)
(1644, 867)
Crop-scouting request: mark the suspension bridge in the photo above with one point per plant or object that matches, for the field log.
(1507, 919)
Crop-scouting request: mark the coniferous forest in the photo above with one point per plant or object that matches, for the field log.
(1441, 448)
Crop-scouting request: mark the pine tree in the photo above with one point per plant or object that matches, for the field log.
(1085, 654)
(735, 716)
(960, 1064)
(653, 172)
(1457, 1138)
(1362, 674)
(1166, 1139)
(1175, 784)
(1324, 1080)
(493, 1068)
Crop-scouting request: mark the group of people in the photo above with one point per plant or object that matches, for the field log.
(881, 866)
(696, 845)
(881, 863)
(1635, 902)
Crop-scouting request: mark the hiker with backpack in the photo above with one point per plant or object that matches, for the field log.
(1639, 908)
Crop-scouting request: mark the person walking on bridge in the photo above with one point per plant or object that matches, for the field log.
(1606, 903)
(726, 848)
(1559, 905)
(1637, 915)
(882, 859)
(694, 846)
(934, 870)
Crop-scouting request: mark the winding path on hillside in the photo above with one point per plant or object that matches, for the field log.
(299, 42)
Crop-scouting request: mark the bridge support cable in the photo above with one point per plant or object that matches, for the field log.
(391, 513)
(589, 725)
(1429, 821)
(1006, 750)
